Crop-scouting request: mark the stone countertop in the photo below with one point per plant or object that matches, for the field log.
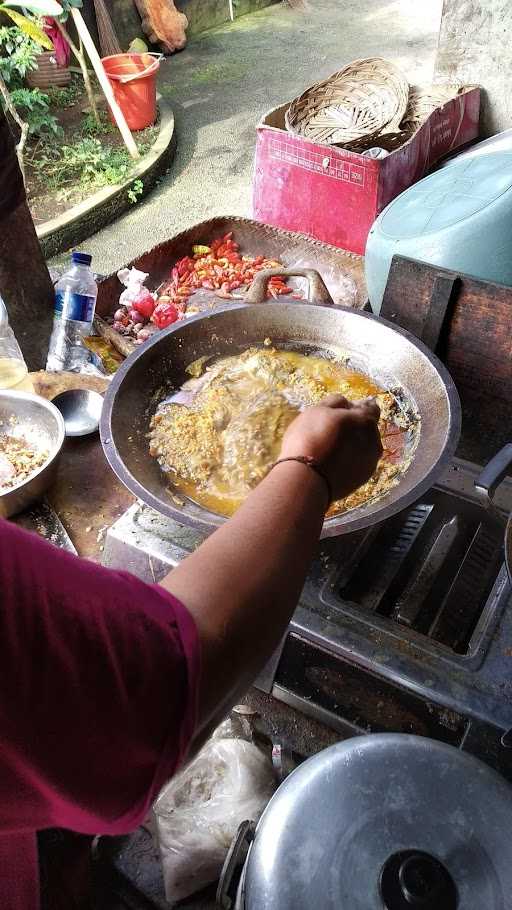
(87, 496)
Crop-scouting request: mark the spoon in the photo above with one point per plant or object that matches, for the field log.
(81, 410)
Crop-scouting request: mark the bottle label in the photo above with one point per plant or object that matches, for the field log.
(69, 305)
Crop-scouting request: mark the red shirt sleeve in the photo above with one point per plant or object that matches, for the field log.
(99, 678)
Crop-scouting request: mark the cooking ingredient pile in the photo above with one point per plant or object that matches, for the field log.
(219, 435)
(218, 267)
(18, 460)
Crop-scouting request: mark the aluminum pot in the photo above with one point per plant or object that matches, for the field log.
(391, 356)
(41, 424)
(394, 822)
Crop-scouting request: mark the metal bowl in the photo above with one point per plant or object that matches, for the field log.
(41, 424)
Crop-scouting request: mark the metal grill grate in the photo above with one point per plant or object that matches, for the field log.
(429, 569)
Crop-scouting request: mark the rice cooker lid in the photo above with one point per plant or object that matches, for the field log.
(449, 197)
(384, 822)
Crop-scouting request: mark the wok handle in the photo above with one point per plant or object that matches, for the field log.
(317, 291)
(490, 478)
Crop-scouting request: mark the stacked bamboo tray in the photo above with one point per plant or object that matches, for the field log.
(368, 103)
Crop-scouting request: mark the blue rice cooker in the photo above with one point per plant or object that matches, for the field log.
(459, 218)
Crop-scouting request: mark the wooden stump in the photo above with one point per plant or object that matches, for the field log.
(163, 24)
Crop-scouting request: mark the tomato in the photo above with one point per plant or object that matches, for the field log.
(164, 314)
(144, 304)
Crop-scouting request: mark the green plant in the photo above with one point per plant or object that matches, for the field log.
(18, 54)
(135, 191)
(67, 96)
(29, 28)
(101, 127)
(18, 58)
(86, 162)
(33, 106)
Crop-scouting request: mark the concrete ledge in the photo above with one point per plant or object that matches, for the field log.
(203, 15)
(103, 207)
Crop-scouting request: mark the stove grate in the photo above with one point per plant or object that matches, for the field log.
(429, 569)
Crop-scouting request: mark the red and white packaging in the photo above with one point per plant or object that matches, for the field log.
(335, 195)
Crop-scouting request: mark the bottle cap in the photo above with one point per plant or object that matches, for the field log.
(82, 258)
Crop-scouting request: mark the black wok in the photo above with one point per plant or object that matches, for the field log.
(394, 358)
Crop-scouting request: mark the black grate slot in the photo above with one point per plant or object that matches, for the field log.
(410, 607)
(370, 583)
(462, 606)
(441, 553)
(430, 569)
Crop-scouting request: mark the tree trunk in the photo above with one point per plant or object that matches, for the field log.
(25, 283)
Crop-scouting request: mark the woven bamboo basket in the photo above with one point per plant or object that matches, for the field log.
(425, 99)
(48, 74)
(364, 99)
(388, 141)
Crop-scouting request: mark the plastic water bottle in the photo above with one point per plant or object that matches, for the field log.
(13, 369)
(75, 302)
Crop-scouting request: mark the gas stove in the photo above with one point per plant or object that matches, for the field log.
(403, 627)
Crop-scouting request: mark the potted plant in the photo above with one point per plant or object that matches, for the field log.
(52, 66)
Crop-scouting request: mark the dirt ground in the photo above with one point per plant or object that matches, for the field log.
(50, 197)
(223, 82)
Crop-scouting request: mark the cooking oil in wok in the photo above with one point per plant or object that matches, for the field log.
(218, 437)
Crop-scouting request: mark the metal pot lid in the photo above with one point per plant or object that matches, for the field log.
(385, 822)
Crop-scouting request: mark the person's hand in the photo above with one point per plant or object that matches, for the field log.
(342, 437)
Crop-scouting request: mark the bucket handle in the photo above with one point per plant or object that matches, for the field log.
(158, 57)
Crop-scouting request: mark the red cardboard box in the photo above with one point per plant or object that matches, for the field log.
(335, 195)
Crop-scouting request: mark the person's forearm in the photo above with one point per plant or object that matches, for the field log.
(242, 585)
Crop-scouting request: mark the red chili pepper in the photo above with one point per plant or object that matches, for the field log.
(184, 266)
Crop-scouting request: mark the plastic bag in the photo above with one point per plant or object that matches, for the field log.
(199, 811)
(340, 284)
(133, 281)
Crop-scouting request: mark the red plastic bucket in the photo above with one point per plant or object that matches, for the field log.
(133, 80)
